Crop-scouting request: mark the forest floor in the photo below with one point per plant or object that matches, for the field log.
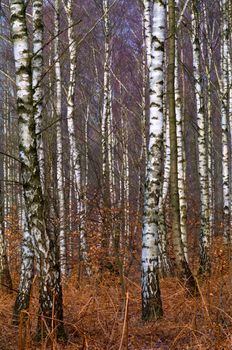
(95, 317)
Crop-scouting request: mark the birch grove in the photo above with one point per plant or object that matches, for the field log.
(115, 172)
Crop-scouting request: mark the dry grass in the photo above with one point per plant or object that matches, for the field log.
(95, 315)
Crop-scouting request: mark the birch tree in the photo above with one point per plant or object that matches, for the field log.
(225, 120)
(126, 177)
(22, 301)
(163, 243)
(75, 158)
(50, 288)
(5, 277)
(202, 148)
(181, 163)
(107, 136)
(151, 298)
(37, 73)
(182, 264)
(209, 33)
(60, 184)
(27, 251)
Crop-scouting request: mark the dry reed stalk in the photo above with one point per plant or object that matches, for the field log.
(125, 325)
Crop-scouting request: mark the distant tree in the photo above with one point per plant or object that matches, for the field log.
(5, 277)
(224, 92)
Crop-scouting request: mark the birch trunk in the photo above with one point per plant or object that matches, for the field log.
(209, 66)
(59, 146)
(5, 277)
(50, 298)
(202, 149)
(163, 243)
(182, 264)
(27, 251)
(37, 74)
(151, 298)
(225, 122)
(181, 159)
(106, 135)
(22, 301)
(74, 149)
(229, 18)
(126, 180)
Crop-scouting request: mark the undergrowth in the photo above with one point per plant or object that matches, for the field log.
(99, 316)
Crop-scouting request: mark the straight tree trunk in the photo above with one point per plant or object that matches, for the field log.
(59, 145)
(202, 149)
(126, 179)
(182, 264)
(181, 160)
(22, 301)
(208, 68)
(74, 149)
(37, 74)
(151, 298)
(106, 136)
(50, 298)
(164, 267)
(5, 277)
(27, 251)
(225, 121)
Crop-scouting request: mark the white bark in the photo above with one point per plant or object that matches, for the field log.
(106, 112)
(74, 149)
(225, 122)
(163, 259)
(111, 155)
(35, 211)
(86, 159)
(5, 278)
(59, 145)
(181, 159)
(126, 179)
(26, 269)
(202, 149)
(151, 302)
(37, 74)
(229, 18)
(209, 65)
(107, 137)
(143, 116)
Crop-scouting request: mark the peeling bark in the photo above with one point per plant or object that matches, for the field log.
(151, 298)
(50, 297)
